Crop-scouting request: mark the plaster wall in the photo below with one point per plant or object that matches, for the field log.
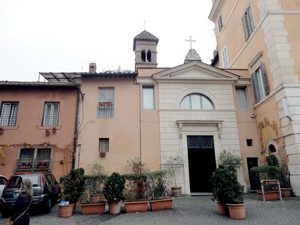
(29, 127)
(128, 138)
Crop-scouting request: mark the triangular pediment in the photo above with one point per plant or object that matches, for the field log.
(194, 71)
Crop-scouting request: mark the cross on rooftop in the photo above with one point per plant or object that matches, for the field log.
(144, 24)
(190, 40)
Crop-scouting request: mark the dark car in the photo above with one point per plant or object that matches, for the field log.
(46, 192)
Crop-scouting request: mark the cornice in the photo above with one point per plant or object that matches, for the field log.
(215, 10)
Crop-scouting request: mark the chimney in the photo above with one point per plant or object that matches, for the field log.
(92, 68)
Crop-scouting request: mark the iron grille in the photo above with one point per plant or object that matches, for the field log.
(200, 142)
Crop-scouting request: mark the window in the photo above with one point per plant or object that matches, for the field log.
(51, 112)
(224, 57)
(103, 145)
(9, 111)
(148, 97)
(196, 101)
(260, 83)
(106, 103)
(149, 56)
(143, 56)
(220, 23)
(34, 159)
(242, 98)
(248, 23)
(249, 142)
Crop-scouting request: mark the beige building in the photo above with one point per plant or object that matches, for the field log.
(261, 38)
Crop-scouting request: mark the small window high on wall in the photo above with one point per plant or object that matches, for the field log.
(148, 97)
(196, 101)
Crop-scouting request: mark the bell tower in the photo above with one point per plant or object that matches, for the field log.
(144, 45)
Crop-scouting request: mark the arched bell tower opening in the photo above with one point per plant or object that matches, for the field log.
(144, 45)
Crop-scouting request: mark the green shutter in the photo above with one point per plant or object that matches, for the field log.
(266, 83)
(254, 85)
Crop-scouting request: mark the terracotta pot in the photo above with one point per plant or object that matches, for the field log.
(161, 204)
(114, 207)
(66, 210)
(136, 206)
(176, 191)
(286, 192)
(237, 211)
(269, 195)
(223, 209)
(92, 208)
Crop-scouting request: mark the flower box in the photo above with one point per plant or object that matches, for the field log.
(136, 206)
(161, 204)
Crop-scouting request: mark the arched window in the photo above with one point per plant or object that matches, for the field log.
(196, 101)
(143, 56)
(149, 56)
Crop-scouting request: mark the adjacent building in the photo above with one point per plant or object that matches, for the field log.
(261, 38)
(37, 124)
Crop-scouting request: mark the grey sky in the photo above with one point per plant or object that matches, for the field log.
(66, 35)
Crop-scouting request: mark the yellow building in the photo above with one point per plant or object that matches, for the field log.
(261, 38)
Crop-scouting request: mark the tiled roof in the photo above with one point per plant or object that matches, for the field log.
(36, 84)
(145, 35)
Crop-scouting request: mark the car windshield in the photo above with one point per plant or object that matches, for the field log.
(16, 181)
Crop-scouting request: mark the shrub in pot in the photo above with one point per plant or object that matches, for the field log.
(113, 191)
(74, 185)
(227, 190)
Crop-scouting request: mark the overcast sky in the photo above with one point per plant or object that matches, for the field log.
(66, 35)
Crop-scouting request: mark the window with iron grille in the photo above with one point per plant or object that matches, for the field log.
(103, 144)
(34, 158)
(9, 111)
(51, 113)
(200, 142)
(106, 103)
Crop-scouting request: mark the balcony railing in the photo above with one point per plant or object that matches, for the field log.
(33, 164)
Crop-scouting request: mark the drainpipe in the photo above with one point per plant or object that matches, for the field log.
(76, 126)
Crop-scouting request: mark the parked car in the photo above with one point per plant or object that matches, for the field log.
(46, 192)
(3, 181)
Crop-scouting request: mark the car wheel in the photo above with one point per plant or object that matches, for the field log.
(48, 206)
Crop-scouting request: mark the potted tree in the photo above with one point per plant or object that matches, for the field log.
(227, 190)
(73, 184)
(113, 192)
(175, 162)
(159, 199)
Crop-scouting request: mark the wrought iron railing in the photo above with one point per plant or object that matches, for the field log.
(33, 164)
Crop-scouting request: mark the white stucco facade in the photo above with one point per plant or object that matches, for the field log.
(177, 124)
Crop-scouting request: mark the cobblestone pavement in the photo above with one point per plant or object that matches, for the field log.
(186, 210)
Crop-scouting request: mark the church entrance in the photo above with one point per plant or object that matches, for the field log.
(202, 162)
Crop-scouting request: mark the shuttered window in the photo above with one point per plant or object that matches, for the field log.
(9, 111)
(260, 83)
(220, 23)
(248, 23)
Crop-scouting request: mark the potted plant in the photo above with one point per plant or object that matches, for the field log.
(159, 199)
(73, 184)
(174, 162)
(135, 199)
(113, 192)
(227, 190)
